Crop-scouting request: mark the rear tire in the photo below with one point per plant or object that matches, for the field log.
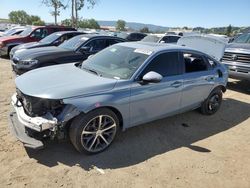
(95, 131)
(212, 104)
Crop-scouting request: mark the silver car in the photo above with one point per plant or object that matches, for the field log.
(122, 86)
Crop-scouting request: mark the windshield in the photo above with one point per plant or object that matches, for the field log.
(74, 43)
(51, 38)
(245, 38)
(26, 32)
(117, 62)
(151, 38)
(9, 32)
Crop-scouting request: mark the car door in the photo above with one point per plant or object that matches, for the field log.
(198, 79)
(155, 100)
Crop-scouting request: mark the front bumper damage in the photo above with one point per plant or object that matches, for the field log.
(20, 122)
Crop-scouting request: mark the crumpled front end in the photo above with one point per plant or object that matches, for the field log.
(34, 119)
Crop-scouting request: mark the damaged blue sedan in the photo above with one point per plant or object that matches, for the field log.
(122, 86)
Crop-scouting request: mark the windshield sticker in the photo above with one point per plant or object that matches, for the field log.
(113, 49)
(143, 51)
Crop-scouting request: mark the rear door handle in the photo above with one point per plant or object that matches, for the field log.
(176, 84)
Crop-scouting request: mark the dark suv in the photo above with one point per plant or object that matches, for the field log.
(31, 34)
(237, 57)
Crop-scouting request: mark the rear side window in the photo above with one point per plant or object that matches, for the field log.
(195, 63)
(166, 64)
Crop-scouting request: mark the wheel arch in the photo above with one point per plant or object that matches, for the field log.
(113, 109)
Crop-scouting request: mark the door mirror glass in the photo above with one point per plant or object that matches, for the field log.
(152, 77)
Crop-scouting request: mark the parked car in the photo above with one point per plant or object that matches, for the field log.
(76, 49)
(30, 34)
(12, 31)
(122, 86)
(237, 57)
(162, 39)
(54, 39)
(131, 36)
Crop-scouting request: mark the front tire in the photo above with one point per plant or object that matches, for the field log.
(95, 131)
(212, 104)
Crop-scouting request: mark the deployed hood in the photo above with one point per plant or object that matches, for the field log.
(206, 44)
(62, 81)
(34, 53)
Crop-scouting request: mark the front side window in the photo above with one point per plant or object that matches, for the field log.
(166, 64)
(40, 33)
(194, 62)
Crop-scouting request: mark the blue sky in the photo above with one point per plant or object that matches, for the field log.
(191, 13)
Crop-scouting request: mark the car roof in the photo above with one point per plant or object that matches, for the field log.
(153, 47)
(100, 35)
(66, 32)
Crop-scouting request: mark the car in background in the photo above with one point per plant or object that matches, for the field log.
(237, 57)
(124, 85)
(54, 39)
(172, 39)
(77, 49)
(30, 34)
(131, 36)
(12, 31)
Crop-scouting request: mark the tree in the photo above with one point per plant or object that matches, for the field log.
(120, 25)
(144, 30)
(19, 17)
(76, 6)
(66, 22)
(229, 30)
(57, 5)
(89, 23)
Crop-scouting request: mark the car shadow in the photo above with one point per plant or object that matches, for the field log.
(242, 86)
(143, 142)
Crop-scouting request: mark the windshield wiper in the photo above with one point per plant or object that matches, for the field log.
(92, 70)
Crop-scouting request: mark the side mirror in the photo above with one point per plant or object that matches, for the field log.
(152, 77)
(85, 49)
(57, 42)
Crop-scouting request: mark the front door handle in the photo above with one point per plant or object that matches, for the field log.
(176, 84)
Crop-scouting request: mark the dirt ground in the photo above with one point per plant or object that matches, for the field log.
(187, 150)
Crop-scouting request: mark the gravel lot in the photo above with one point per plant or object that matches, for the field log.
(187, 150)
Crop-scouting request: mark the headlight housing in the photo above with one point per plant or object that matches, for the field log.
(28, 62)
